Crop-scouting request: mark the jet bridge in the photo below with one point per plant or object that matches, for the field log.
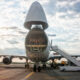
(66, 55)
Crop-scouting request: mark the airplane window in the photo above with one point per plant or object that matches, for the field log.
(37, 26)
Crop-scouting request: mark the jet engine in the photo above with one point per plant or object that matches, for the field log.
(7, 60)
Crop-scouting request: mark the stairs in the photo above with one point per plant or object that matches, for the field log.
(66, 55)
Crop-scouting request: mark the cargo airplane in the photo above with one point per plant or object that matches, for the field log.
(36, 42)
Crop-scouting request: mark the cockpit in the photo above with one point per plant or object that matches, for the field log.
(37, 26)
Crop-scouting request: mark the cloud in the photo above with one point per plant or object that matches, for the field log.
(77, 7)
(50, 7)
(67, 32)
(63, 18)
(13, 51)
(69, 7)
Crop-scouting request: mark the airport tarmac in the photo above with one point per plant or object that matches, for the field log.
(18, 72)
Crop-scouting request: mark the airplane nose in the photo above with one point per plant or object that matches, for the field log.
(35, 15)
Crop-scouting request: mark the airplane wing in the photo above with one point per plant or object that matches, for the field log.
(14, 56)
(7, 59)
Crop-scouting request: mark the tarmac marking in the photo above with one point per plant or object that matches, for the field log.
(29, 75)
(2, 77)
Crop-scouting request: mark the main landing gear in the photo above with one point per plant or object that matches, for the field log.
(44, 66)
(27, 66)
(35, 68)
(39, 68)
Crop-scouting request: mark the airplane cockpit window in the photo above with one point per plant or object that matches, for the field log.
(37, 26)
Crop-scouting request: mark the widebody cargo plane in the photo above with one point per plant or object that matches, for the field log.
(37, 45)
(36, 42)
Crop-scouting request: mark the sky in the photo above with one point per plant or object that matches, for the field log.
(63, 17)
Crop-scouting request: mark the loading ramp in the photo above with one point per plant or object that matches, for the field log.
(66, 55)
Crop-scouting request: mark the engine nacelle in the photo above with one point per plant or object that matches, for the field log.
(7, 60)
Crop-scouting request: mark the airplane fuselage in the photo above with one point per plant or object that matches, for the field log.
(36, 44)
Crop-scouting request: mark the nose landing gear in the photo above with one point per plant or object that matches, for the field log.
(39, 68)
(35, 68)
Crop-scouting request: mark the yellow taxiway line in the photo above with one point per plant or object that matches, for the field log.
(29, 75)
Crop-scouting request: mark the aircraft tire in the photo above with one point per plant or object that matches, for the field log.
(39, 69)
(44, 66)
(34, 68)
